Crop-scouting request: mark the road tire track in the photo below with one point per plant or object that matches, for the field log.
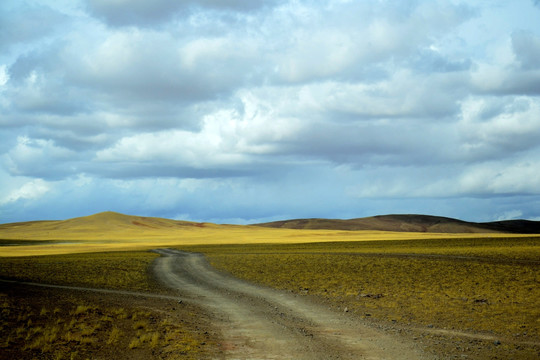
(96, 290)
(263, 323)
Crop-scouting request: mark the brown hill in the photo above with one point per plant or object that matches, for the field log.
(411, 223)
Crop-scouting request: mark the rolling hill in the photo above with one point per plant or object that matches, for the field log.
(110, 231)
(411, 223)
(116, 222)
(109, 225)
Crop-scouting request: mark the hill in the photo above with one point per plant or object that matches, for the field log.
(105, 225)
(110, 231)
(410, 223)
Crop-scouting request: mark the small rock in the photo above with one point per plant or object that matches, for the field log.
(481, 301)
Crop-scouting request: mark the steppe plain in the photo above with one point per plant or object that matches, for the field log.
(91, 288)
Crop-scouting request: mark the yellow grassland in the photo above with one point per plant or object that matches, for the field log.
(118, 232)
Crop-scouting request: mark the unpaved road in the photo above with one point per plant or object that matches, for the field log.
(262, 323)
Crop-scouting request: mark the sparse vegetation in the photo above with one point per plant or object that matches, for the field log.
(464, 282)
(490, 286)
(77, 328)
(113, 270)
(84, 329)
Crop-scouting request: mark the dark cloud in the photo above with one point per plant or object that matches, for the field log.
(41, 158)
(430, 61)
(125, 68)
(143, 170)
(526, 47)
(77, 141)
(155, 12)
(22, 24)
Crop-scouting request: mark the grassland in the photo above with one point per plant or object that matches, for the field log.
(116, 232)
(62, 324)
(472, 286)
(77, 328)
(112, 270)
(479, 284)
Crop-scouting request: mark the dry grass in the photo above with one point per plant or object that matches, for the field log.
(486, 285)
(77, 328)
(116, 270)
(84, 329)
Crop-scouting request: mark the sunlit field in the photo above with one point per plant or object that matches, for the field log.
(117, 232)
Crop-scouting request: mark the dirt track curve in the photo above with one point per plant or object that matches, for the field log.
(262, 323)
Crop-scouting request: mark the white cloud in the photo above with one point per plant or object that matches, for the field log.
(4, 76)
(227, 138)
(499, 178)
(509, 215)
(172, 147)
(494, 127)
(30, 190)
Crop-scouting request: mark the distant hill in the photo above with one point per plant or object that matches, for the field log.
(104, 225)
(111, 225)
(108, 218)
(411, 223)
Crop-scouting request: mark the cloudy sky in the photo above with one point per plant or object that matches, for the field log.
(235, 111)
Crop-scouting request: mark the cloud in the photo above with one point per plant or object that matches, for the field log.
(40, 158)
(518, 73)
(22, 23)
(122, 65)
(4, 77)
(499, 127)
(354, 35)
(501, 179)
(30, 190)
(228, 144)
(154, 12)
(264, 109)
(526, 47)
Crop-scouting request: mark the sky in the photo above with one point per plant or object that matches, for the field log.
(233, 111)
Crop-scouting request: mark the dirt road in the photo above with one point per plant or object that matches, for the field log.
(262, 323)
